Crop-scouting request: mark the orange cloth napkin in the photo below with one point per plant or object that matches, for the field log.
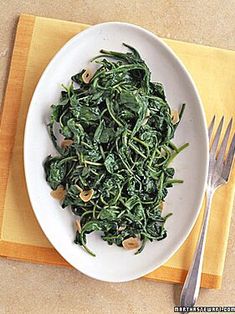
(37, 41)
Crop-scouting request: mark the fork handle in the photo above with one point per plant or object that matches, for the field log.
(190, 291)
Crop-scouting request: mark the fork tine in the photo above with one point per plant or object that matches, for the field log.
(224, 142)
(229, 160)
(216, 139)
(210, 129)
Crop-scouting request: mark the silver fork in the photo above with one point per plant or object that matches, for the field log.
(218, 174)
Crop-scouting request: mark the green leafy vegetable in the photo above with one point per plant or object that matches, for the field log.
(120, 130)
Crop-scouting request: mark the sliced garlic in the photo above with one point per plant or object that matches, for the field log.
(131, 243)
(78, 225)
(66, 143)
(86, 76)
(175, 116)
(86, 195)
(59, 193)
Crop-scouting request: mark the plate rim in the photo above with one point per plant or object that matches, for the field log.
(202, 112)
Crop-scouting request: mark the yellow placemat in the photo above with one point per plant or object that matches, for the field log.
(37, 40)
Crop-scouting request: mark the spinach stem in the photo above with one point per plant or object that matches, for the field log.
(172, 181)
(110, 110)
(93, 163)
(176, 153)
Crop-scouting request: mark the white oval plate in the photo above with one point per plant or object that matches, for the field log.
(184, 200)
